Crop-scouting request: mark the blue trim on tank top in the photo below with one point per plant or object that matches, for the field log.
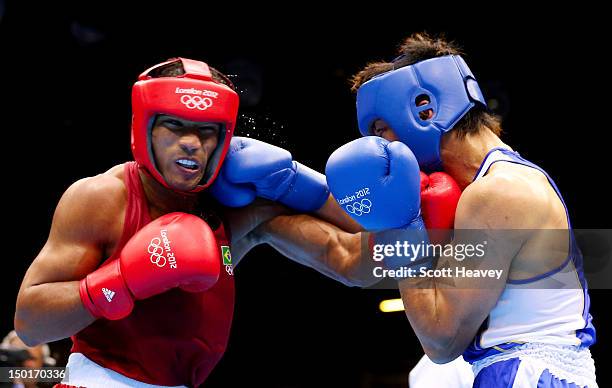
(527, 163)
(487, 156)
(542, 276)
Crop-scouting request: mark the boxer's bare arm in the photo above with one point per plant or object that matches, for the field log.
(244, 221)
(87, 219)
(335, 215)
(319, 245)
(324, 241)
(446, 318)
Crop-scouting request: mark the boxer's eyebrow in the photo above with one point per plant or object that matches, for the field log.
(170, 120)
(161, 119)
(209, 125)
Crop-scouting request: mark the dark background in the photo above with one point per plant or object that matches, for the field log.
(65, 79)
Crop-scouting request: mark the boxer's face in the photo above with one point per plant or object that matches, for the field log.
(182, 149)
(382, 129)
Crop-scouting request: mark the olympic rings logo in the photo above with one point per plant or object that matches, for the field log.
(156, 250)
(196, 102)
(360, 208)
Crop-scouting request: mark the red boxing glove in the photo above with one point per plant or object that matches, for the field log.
(439, 197)
(175, 250)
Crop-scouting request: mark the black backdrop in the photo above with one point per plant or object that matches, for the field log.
(65, 80)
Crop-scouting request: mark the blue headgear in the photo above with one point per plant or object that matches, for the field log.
(447, 83)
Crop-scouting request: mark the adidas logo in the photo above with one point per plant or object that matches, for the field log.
(108, 294)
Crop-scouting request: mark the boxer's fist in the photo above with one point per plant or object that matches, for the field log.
(376, 182)
(253, 168)
(175, 250)
(439, 197)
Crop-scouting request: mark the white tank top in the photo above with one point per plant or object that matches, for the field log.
(550, 308)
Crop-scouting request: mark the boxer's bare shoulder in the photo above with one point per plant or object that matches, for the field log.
(92, 209)
(508, 197)
(513, 196)
(86, 226)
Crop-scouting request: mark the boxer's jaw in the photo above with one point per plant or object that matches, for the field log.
(462, 155)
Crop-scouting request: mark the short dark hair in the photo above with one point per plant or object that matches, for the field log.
(418, 47)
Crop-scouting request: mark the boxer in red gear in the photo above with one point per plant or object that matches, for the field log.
(97, 278)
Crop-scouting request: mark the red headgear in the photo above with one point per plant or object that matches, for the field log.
(192, 96)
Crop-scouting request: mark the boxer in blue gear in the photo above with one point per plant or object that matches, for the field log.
(529, 327)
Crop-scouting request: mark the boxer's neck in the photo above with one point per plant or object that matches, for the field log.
(462, 156)
(163, 200)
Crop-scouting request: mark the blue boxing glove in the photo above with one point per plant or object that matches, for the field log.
(378, 184)
(253, 168)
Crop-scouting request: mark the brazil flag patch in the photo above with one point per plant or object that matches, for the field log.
(226, 254)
